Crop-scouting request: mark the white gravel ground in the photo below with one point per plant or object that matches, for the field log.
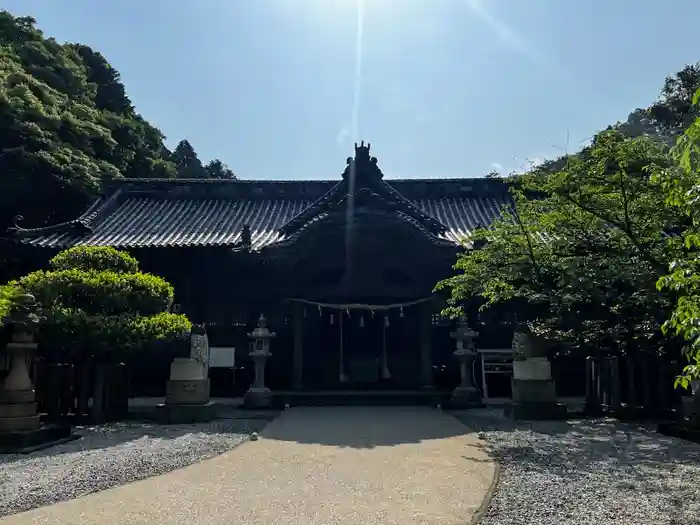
(111, 455)
(600, 472)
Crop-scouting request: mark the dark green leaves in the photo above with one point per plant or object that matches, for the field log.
(96, 301)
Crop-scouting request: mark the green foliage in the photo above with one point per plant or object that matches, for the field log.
(187, 162)
(601, 248)
(103, 292)
(682, 188)
(95, 302)
(95, 258)
(7, 295)
(579, 262)
(66, 126)
(673, 111)
(162, 327)
(218, 170)
(75, 331)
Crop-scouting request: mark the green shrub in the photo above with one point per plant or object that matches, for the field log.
(113, 337)
(106, 293)
(98, 258)
(164, 327)
(95, 302)
(7, 294)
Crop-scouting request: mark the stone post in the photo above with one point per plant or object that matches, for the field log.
(466, 394)
(258, 395)
(534, 393)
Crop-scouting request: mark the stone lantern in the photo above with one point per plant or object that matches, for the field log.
(20, 427)
(258, 395)
(466, 394)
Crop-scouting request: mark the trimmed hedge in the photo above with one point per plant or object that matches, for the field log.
(108, 293)
(96, 303)
(95, 258)
(7, 294)
(73, 330)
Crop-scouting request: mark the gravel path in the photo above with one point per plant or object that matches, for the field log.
(111, 455)
(311, 466)
(599, 472)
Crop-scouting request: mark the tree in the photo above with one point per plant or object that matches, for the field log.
(682, 188)
(187, 162)
(579, 253)
(672, 113)
(218, 170)
(66, 127)
(97, 303)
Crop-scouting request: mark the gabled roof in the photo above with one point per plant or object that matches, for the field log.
(203, 212)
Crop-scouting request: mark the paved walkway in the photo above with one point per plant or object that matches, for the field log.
(311, 466)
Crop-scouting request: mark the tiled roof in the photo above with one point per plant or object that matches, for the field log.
(461, 215)
(153, 213)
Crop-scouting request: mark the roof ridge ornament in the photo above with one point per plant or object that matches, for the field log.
(363, 168)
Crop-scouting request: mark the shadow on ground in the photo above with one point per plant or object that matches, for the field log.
(578, 449)
(95, 437)
(363, 427)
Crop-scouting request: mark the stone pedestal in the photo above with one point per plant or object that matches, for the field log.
(466, 394)
(534, 393)
(187, 390)
(258, 398)
(258, 395)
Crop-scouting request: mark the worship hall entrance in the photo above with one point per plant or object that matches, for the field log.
(358, 347)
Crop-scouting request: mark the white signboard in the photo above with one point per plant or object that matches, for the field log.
(222, 356)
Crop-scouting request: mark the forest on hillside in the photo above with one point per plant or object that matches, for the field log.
(67, 126)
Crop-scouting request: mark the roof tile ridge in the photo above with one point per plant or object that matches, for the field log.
(431, 223)
(314, 209)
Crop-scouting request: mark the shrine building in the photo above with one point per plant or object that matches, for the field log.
(343, 270)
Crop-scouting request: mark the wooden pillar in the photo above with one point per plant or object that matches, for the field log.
(425, 313)
(298, 341)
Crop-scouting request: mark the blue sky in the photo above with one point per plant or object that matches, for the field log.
(446, 88)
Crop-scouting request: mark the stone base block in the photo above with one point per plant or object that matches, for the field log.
(533, 368)
(536, 411)
(465, 397)
(32, 440)
(182, 414)
(185, 369)
(258, 398)
(534, 391)
(16, 397)
(18, 410)
(20, 424)
(187, 392)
